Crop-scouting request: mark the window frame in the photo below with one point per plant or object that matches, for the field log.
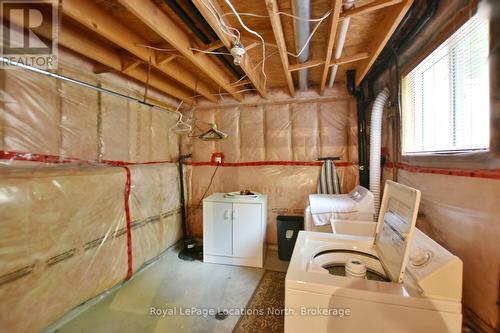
(474, 154)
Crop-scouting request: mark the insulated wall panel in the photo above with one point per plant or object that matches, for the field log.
(154, 197)
(278, 133)
(461, 213)
(252, 134)
(59, 241)
(115, 128)
(333, 130)
(31, 113)
(229, 120)
(305, 135)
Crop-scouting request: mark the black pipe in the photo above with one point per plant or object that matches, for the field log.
(185, 228)
(362, 145)
(199, 33)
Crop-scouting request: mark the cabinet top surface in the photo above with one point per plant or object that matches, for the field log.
(221, 197)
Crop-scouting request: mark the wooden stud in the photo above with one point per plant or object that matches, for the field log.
(349, 59)
(272, 10)
(254, 74)
(214, 46)
(149, 13)
(129, 63)
(307, 64)
(93, 17)
(368, 8)
(382, 35)
(334, 21)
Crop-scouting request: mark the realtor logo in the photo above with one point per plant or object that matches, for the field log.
(29, 33)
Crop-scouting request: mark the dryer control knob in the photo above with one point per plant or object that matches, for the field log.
(421, 258)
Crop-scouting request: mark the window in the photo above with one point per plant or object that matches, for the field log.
(446, 100)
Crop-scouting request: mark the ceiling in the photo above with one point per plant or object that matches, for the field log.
(154, 41)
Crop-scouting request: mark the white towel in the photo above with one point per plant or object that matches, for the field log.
(328, 182)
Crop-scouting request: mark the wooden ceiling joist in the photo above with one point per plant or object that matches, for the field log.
(149, 13)
(334, 22)
(368, 8)
(253, 72)
(272, 10)
(382, 35)
(81, 44)
(110, 59)
(93, 17)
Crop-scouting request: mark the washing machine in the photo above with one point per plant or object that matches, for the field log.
(398, 280)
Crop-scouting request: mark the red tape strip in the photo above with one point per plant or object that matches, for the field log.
(475, 173)
(127, 219)
(261, 163)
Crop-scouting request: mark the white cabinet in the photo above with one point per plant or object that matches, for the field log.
(234, 230)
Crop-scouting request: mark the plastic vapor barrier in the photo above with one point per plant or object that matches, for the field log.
(88, 191)
(272, 148)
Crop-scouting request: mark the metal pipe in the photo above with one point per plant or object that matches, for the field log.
(84, 84)
(344, 26)
(302, 32)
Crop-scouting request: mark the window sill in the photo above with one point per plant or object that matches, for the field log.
(458, 160)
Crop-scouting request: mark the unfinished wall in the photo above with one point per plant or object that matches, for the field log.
(272, 147)
(67, 184)
(459, 206)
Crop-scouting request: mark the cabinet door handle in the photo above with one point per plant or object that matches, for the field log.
(226, 214)
(235, 214)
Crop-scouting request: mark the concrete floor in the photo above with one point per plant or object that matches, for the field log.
(170, 284)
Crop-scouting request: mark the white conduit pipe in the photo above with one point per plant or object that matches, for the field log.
(302, 32)
(344, 26)
(375, 143)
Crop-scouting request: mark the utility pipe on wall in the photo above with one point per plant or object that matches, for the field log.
(302, 32)
(348, 4)
(375, 145)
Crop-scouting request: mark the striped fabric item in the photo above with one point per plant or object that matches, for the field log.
(328, 182)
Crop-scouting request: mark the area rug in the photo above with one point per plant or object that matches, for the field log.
(265, 310)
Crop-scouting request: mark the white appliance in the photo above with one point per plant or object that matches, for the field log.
(323, 208)
(234, 229)
(412, 284)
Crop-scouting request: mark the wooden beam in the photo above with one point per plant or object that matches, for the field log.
(368, 8)
(274, 17)
(163, 59)
(214, 46)
(95, 18)
(307, 64)
(110, 59)
(129, 63)
(382, 35)
(349, 59)
(334, 22)
(254, 74)
(152, 16)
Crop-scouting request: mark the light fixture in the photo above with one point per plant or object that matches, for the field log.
(238, 51)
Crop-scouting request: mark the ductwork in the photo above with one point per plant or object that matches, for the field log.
(344, 26)
(302, 31)
(375, 144)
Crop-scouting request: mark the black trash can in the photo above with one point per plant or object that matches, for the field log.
(288, 230)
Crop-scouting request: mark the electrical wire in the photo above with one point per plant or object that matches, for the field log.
(209, 52)
(253, 33)
(319, 20)
(209, 185)
(155, 48)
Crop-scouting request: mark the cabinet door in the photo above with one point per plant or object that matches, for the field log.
(247, 235)
(217, 228)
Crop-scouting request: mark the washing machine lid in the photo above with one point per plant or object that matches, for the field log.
(396, 222)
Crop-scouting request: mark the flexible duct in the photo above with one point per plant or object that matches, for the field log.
(302, 32)
(375, 144)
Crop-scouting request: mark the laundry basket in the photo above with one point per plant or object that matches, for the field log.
(288, 230)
